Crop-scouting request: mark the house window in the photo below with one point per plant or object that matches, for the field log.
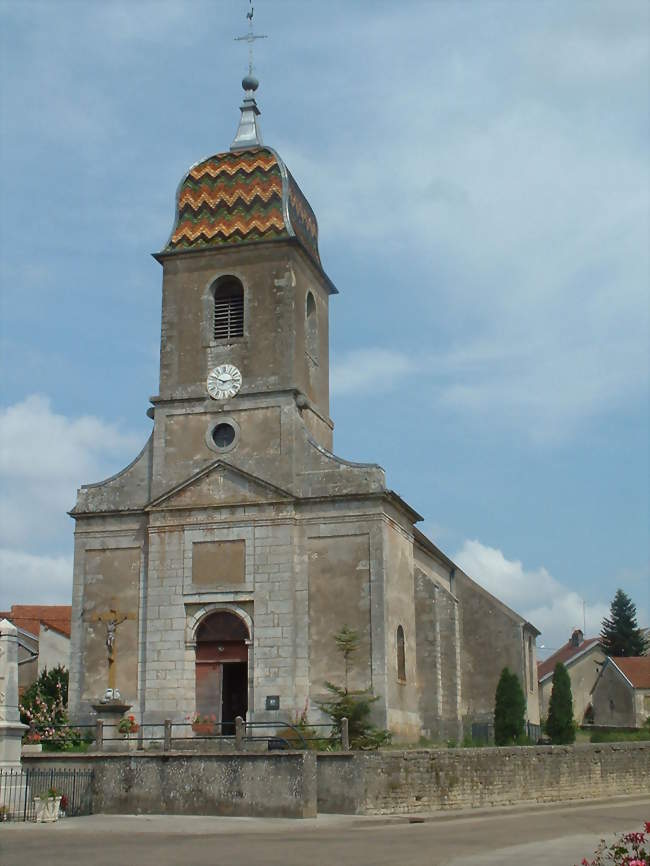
(401, 655)
(228, 309)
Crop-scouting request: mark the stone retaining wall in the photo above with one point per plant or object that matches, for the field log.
(279, 785)
(295, 784)
(374, 783)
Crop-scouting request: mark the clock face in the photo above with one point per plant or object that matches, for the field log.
(223, 382)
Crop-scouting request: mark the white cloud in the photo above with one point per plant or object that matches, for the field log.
(37, 444)
(44, 458)
(29, 579)
(370, 370)
(530, 195)
(535, 594)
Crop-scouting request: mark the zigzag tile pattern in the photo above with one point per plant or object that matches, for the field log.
(239, 197)
(230, 198)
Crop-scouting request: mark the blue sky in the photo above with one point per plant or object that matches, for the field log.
(479, 172)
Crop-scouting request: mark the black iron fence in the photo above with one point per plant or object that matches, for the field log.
(483, 732)
(19, 787)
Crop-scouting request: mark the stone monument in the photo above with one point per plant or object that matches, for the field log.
(11, 728)
(12, 781)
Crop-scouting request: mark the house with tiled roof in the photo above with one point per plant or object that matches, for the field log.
(583, 659)
(621, 694)
(43, 638)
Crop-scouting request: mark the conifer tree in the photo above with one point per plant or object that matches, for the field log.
(621, 635)
(509, 710)
(353, 704)
(559, 724)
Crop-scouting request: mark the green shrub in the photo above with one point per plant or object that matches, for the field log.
(509, 710)
(560, 726)
(45, 702)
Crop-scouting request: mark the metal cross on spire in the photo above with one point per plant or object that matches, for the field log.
(248, 133)
(250, 37)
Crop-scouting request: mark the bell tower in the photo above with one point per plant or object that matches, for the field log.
(245, 307)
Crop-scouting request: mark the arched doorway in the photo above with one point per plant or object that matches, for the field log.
(222, 668)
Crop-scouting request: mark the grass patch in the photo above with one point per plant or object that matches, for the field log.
(620, 736)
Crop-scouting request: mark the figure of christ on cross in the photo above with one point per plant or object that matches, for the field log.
(112, 619)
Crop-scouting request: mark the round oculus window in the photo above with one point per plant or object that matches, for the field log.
(223, 435)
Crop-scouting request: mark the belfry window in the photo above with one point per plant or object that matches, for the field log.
(228, 309)
(401, 655)
(311, 328)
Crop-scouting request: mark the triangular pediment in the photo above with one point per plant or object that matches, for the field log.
(219, 484)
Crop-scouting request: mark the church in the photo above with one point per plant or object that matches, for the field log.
(212, 573)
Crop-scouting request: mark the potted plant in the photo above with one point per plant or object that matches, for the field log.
(47, 806)
(204, 726)
(32, 742)
(128, 727)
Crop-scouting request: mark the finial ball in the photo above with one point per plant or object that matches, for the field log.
(249, 82)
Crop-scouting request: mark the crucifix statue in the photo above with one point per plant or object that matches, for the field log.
(111, 619)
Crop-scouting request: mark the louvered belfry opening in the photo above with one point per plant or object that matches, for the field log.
(228, 309)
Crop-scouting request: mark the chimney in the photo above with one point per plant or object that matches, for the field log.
(576, 637)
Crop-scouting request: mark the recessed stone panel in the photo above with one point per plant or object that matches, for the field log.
(339, 594)
(215, 563)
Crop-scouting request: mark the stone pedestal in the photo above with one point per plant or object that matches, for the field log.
(110, 713)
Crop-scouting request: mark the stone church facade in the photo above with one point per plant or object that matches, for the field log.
(211, 574)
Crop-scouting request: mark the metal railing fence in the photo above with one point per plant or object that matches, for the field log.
(19, 787)
(105, 736)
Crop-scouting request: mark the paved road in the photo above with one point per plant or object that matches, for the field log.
(552, 835)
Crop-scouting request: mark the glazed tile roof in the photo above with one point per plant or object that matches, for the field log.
(565, 654)
(242, 196)
(30, 616)
(635, 668)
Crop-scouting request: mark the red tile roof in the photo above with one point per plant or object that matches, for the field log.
(636, 669)
(564, 655)
(30, 616)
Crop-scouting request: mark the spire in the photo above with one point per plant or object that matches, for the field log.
(248, 132)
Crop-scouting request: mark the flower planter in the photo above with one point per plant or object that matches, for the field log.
(47, 809)
(205, 729)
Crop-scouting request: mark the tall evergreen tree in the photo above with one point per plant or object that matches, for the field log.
(621, 635)
(509, 710)
(559, 724)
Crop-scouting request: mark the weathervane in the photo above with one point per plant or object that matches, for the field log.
(250, 37)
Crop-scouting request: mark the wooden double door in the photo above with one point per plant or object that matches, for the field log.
(222, 682)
